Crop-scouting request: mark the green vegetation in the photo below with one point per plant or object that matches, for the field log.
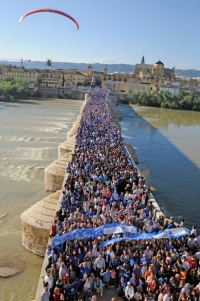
(34, 92)
(11, 89)
(164, 99)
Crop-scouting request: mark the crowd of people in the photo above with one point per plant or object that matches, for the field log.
(104, 186)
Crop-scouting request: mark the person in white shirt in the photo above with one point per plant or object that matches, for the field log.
(181, 225)
(86, 206)
(185, 289)
(142, 214)
(146, 220)
(191, 243)
(148, 253)
(129, 292)
(115, 195)
(149, 227)
(103, 217)
(87, 289)
(167, 296)
(148, 298)
(45, 295)
(99, 264)
(126, 196)
(197, 255)
(112, 212)
(193, 231)
(138, 296)
(156, 224)
(95, 253)
(48, 278)
(185, 264)
(198, 287)
(132, 196)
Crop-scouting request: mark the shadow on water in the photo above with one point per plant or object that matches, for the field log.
(27, 102)
(17, 104)
(174, 176)
(8, 104)
(35, 101)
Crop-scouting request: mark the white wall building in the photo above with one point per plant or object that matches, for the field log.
(172, 87)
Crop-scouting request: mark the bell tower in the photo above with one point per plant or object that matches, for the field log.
(143, 60)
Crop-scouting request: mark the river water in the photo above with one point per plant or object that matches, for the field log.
(30, 133)
(168, 142)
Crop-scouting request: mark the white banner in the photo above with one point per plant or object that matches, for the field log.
(120, 229)
(112, 230)
(170, 233)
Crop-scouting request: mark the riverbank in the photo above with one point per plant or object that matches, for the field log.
(164, 99)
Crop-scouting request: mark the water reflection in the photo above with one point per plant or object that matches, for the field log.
(173, 174)
(165, 117)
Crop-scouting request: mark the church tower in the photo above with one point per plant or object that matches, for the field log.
(90, 70)
(93, 80)
(142, 60)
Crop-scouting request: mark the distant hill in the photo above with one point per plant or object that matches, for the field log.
(97, 67)
(81, 66)
(188, 73)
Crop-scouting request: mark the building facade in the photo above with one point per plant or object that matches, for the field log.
(145, 77)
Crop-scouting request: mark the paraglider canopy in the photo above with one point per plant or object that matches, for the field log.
(49, 10)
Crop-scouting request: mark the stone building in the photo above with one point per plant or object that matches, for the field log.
(153, 70)
(49, 78)
(148, 77)
(145, 77)
(30, 75)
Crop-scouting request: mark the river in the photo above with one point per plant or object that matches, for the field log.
(168, 142)
(30, 133)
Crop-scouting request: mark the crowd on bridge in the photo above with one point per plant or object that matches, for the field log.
(104, 186)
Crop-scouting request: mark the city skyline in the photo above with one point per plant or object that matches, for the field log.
(110, 32)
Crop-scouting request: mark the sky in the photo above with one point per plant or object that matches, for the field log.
(111, 31)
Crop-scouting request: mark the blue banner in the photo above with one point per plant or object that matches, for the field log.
(72, 289)
(93, 232)
(117, 228)
(169, 233)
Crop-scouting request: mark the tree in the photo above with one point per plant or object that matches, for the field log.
(130, 97)
(181, 93)
(63, 81)
(38, 82)
(143, 98)
(164, 99)
(11, 89)
(35, 93)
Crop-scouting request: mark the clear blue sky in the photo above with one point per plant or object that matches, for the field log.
(111, 31)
